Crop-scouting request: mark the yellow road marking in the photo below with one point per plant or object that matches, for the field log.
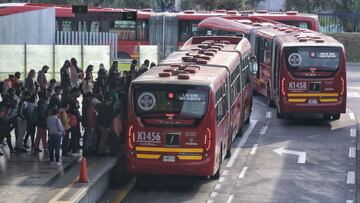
(163, 149)
(67, 188)
(124, 191)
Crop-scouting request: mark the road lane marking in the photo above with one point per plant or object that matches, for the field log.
(349, 201)
(124, 191)
(353, 95)
(241, 143)
(352, 132)
(213, 194)
(352, 152)
(263, 130)
(225, 173)
(217, 187)
(268, 114)
(210, 201)
(243, 172)
(350, 177)
(254, 148)
(301, 155)
(352, 116)
(221, 179)
(230, 199)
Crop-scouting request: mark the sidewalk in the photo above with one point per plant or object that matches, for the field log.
(29, 177)
(24, 175)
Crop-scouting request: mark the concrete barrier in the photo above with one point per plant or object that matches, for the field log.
(351, 41)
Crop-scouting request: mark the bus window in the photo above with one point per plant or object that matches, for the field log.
(187, 29)
(235, 84)
(143, 30)
(82, 26)
(245, 72)
(310, 58)
(125, 29)
(66, 25)
(264, 53)
(221, 103)
(300, 24)
(187, 102)
(95, 26)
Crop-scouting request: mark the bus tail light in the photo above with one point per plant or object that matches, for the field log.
(207, 139)
(283, 87)
(342, 86)
(131, 138)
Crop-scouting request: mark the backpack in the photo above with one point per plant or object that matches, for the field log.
(73, 120)
(30, 114)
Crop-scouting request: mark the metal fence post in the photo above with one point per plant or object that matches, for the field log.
(53, 75)
(25, 60)
(82, 56)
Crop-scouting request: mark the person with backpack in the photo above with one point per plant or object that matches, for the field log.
(29, 113)
(65, 120)
(42, 113)
(56, 131)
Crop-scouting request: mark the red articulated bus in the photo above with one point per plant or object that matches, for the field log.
(140, 30)
(299, 70)
(184, 114)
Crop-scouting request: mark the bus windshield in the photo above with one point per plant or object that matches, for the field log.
(175, 100)
(306, 58)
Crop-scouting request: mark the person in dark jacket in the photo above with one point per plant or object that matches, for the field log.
(55, 100)
(75, 129)
(65, 75)
(42, 113)
(105, 115)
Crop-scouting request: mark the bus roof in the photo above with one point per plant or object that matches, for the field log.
(223, 54)
(307, 39)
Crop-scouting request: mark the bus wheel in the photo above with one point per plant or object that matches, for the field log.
(218, 172)
(327, 116)
(336, 116)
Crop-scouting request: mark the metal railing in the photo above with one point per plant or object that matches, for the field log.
(88, 38)
(339, 22)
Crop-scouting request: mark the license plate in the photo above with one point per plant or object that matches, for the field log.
(168, 158)
(312, 101)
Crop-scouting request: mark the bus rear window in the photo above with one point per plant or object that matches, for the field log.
(321, 58)
(180, 101)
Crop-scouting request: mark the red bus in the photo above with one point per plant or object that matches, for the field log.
(184, 114)
(145, 29)
(298, 70)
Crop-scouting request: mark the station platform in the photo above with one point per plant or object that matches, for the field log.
(29, 177)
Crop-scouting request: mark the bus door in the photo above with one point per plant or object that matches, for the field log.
(275, 84)
(263, 74)
(235, 100)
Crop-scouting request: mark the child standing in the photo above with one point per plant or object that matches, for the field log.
(56, 131)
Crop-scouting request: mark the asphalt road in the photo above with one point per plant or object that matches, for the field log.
(305, 159)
